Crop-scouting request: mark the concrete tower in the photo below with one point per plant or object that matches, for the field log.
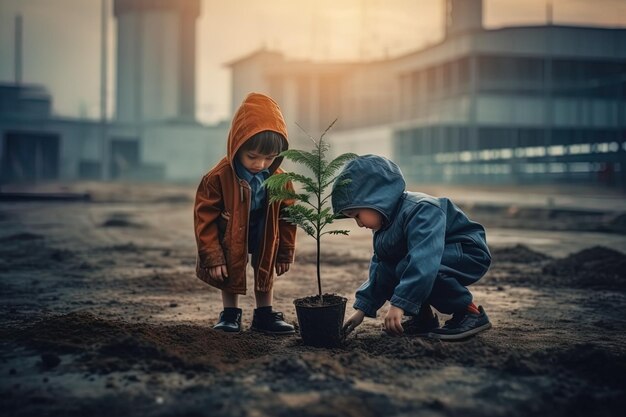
(156, 44)
(463, 15)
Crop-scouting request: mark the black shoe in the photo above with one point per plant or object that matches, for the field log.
(420, 325)
(462, 325)
(230, 320)
(272, 322)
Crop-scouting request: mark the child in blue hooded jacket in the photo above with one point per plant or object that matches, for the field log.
(426, 253)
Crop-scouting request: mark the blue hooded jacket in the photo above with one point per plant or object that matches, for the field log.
(420, 233)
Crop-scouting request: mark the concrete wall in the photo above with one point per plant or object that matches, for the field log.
(185, 151)
(171, 152)
(77, 140)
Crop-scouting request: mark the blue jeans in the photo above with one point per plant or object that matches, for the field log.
(447, 292)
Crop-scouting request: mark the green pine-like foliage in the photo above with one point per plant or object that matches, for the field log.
(311, 211)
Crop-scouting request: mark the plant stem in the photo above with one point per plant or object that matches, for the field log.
(319, 280)
(319, 208)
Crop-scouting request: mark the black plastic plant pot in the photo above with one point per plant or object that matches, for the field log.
(321, 323)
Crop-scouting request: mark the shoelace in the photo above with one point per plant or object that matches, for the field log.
(278, 315)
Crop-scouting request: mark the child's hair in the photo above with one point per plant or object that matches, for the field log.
(267, 142)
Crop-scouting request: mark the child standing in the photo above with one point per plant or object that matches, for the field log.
(233, 218)
(426, 251)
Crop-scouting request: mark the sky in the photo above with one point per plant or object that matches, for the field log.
(61, 38)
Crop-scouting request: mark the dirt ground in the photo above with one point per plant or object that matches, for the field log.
(101, 315)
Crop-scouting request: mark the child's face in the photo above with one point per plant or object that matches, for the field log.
(254, 161)
(366, 217)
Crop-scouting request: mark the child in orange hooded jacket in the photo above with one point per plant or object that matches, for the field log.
(233, 217)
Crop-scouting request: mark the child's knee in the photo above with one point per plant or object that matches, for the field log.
(476, 262)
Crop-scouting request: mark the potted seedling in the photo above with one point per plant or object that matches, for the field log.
(320, 317)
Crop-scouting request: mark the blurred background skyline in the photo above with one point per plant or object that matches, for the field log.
(61, 39)
(454, 91)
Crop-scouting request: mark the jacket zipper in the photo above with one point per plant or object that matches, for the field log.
(267, 216)
(241, 182)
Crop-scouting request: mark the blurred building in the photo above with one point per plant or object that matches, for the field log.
(154, 135)
(516, 104)
(156, 59)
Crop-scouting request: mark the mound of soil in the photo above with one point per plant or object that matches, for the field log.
(22, 237)
(116, 345)
(618, 223)
(120, 223)
(594, 267)
(126, 247)
(517, 254)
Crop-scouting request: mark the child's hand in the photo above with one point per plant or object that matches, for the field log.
(218, 273)
(281, 268)
(352, 323)
(393, 321)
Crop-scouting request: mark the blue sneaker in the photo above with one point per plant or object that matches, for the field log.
(462, 325)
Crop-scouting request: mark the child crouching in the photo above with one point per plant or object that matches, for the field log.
(426, 253)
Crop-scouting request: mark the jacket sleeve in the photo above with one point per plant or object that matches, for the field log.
(287, 234)
(425, 230)
(372, 294)
(207, 209)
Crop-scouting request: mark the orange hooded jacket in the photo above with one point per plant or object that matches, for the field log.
(222, 206)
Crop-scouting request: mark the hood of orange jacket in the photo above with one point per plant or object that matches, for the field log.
(256, 114)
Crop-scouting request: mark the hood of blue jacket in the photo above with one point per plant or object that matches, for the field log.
(375, 182)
